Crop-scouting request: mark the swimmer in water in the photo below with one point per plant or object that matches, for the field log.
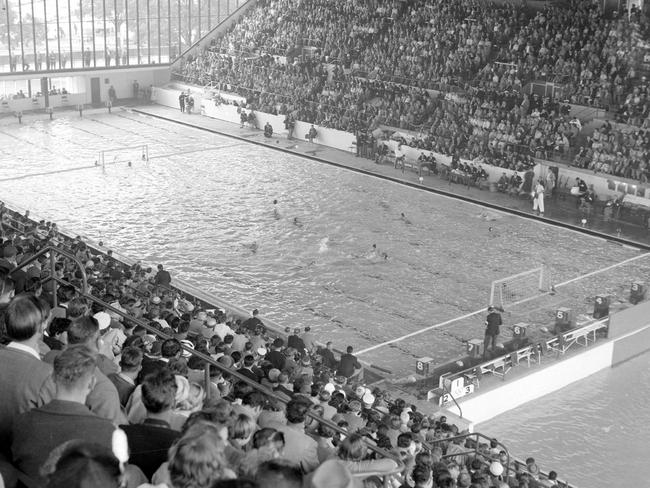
(376, 253)
(297, 222)
(276, 212)
(404, 219)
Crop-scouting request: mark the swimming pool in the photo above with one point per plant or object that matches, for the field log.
(203, 206)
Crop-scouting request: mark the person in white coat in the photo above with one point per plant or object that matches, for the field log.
(538, 197)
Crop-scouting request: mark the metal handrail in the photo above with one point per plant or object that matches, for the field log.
(446, 390)
(52, 251)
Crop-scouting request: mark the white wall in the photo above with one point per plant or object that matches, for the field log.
(328, 137)
(517, 391)
(122, 80)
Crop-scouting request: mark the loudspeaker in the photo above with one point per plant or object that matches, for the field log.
(601, 306)
(562, 319)
(475, 348)
(423, 365)
(637, 292)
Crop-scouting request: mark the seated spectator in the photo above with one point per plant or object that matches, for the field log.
(280, 473)
(81, 465)
(353, 452)
(26, 381)
(268, 443)
(38, 432)
(300, 449)
(130, 366)
(103, 399)
(150, 440)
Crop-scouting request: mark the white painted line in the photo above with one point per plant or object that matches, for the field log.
(482, 310)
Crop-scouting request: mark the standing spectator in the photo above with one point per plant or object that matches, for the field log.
(253, 322)
(308, 339)
(163, 278)
(349, 365)
(538, 198)
(150, 441)
(37, 432)
(25, 382)
(492, 323)
(181, 101)
(328, 356)
(296, 342)
(87, 57)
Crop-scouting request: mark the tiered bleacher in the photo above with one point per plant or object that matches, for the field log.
(202, 398)
(460, 76)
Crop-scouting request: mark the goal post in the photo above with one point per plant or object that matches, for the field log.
(126, 154)
(519, 287)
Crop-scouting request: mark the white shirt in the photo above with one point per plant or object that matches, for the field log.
(22, 347)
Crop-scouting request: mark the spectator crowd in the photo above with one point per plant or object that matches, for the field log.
(120, 392)
(456, 74)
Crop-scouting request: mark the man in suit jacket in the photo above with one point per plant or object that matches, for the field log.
(25, 382)
(150, 441)
(249, 370)
(130, 366)
(349, 364)
(38, 432)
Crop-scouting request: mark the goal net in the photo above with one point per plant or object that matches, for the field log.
(520, 287)
(132, 154)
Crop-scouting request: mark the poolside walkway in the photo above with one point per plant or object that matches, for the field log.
(562, 212)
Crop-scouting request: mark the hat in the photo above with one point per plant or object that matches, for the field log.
(274, 374)
(182, 388)
(185, 342)
(360, 391)
(332, 474)
(496, 468)
(148, 339)
(404, 418)
(189, 307)
(90, 263)
(261, 351)
(368, 399)
(211, 322)
(329, 387)
(103, 319)
(476, 464)
(278, 342)
(155, 300)
(202, 316)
